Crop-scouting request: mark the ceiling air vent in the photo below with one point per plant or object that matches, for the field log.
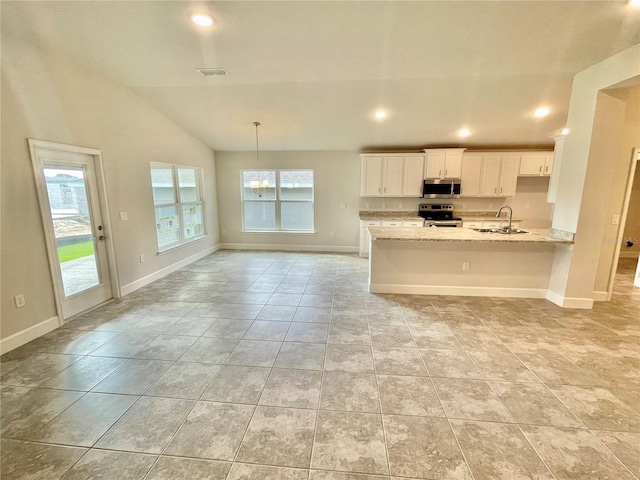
(211, 72)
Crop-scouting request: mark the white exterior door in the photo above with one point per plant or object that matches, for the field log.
(69, 192)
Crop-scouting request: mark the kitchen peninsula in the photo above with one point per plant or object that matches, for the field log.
(461, 261)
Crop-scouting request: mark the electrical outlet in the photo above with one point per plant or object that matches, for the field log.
(343, 205)
(384, 205)
(224, 230)
(527, 205)
(464, 204)
(465, 266)
(142, 258)
(123, 216)
(401, 205)
(615, 220)
(20, 301)
(367, 205)
(331, 233)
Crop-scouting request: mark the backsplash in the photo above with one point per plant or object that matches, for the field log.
(529, 204)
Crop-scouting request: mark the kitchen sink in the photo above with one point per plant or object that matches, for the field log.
(502, 231)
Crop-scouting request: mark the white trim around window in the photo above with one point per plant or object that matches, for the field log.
(277, 201)
(178, 206)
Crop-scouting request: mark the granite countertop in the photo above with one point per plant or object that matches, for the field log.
(538, 236)
(388, 215)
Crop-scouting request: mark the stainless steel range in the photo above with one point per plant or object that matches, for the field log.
(439, 216)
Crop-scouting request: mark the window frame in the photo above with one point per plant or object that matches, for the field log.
(277, 201)
(179, 204)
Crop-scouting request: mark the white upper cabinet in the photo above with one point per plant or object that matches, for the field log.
(508, 175)
(489, 175)
(536, 164)
(391, 175)
(413, 176)
(370, 176)
(444, 163)
(470, 176)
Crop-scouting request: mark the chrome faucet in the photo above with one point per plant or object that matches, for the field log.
(508, 229)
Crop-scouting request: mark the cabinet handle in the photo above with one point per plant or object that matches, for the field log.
(540, 169)
(378, 189)
(495, 190)
(385, 190)
(445, 172)
(440, 173)
(546, 169)
(500, 189)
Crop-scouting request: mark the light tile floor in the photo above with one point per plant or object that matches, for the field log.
(254, 365)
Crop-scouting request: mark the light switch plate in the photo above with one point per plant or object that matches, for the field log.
(123, 216)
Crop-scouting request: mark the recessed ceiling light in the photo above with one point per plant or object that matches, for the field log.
(464, 132)
(564, 131)
(634, 3)
(202, 20)
(380, 114)
(542, 112)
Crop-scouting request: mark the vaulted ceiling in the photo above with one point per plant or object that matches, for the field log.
(314, 73)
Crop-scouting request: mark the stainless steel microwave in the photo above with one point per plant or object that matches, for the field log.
(447, 188)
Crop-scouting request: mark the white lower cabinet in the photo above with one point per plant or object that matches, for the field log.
(365, 238)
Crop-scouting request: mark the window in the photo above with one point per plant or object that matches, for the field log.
(277, 200)
(177, 198)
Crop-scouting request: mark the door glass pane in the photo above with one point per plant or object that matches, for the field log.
(259, 184)
(259, 216)
(188, 184)
(192, 218)
(67, 192)
(296, 184)
(167, 226)
(297, 215)
(162, 185)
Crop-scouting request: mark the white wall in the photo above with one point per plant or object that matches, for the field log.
(587, 176)
(336, 178)
(48, 98)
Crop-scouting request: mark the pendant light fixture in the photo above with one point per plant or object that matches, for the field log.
(257, 186)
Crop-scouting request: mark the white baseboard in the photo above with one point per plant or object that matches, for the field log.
(459, 291)
(629, 254)
(599, 296)
(288, 248)
(18, 339)
(133, 286)
(570, 302)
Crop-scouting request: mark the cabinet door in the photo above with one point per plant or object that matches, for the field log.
(470, 175)
(413, 179)
(508, 176)
(532, 164)
(548, 165)
(393, 168)
(371, 176)
(435, 165)
(490, 176)
(452, 165)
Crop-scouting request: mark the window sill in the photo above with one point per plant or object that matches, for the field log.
(176, 247)
(281, 232)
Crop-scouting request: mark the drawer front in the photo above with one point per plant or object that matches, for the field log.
(389, 223)
(472, 224)
(370, 223)
(413, 224)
